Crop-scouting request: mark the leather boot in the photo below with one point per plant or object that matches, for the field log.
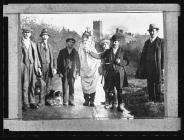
(92, 98)
(111, 98)
(86, 97)
(120, 102)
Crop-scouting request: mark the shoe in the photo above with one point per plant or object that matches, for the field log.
(72, 104)
(113, 106)
(25, 108)
(103, 103)
(33, 106)
(85, 103)
(65, 104)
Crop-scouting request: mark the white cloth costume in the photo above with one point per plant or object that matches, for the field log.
(89, 68)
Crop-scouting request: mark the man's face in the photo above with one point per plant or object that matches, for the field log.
(115, 44)
(70, 44)
(153, 33)
(45, 37)
(26, 35)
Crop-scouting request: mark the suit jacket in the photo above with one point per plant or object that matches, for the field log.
(68, 61)
(52, 64)
(36, 61)
(111, 65)
(159, 45)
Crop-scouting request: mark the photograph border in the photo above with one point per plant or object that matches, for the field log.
(171, 122)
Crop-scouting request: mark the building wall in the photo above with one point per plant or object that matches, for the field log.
(97, 30)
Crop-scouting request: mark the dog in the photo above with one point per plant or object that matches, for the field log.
(53, 98)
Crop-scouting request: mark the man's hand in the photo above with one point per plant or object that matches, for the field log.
(118, 60)
(60, 75)
(54, 71)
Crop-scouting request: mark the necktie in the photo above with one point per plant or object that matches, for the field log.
(45, 46)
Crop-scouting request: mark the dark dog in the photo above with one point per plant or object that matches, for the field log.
(40, 87)
(53, 98)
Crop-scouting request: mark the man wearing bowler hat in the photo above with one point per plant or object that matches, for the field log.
(116, 78)
(45, 53)
(30, 68)
(151, 65)
(68, 67)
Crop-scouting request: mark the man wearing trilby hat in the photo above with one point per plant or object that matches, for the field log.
(116, 75)
(47, 59)
(30, 68)
(151, 65)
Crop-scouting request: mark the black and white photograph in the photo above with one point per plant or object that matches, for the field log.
(79, 63)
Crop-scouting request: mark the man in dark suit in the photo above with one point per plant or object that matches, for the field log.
(68, 67)
(30, 69)
(116, 75)
(151, 65)
(47, 59)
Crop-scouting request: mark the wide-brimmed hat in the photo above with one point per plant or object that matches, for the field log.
(27, 30)
(44, 32)
(152, 26)
(70, 38)
(116, 38)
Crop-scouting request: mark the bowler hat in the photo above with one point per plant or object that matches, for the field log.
(68, 39)
(26, 30)
(44, 32)
(116, 37)
(152, 26)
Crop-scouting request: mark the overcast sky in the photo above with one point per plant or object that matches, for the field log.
(134, 22)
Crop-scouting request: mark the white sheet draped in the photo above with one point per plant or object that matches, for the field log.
(89, 69)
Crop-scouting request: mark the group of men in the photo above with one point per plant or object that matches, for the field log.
(38, 60)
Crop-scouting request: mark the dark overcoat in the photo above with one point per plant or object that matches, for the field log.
(52, 59)
(142, 71)
(63, 65)
(111, 65)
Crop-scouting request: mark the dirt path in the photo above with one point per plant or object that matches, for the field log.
(138, 106)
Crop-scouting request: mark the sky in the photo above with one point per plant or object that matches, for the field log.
(133, 22)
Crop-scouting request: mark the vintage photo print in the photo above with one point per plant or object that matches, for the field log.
(96, 64)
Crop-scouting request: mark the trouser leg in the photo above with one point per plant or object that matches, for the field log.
(32, 80)
(71, 91)
(25, 86)
(159, 94)
(151, 90)
(65, 90)
(46, 76)
(121, 102)
(106, 98)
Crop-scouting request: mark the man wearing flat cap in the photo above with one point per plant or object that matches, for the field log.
(30, 68)
(68, 67)
(151, 65)
(116, 78)
(46, 57)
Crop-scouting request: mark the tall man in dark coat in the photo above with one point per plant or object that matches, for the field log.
(116, 75)
(30, 69)
(152, 64)
(47, 59)
(68, 67)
